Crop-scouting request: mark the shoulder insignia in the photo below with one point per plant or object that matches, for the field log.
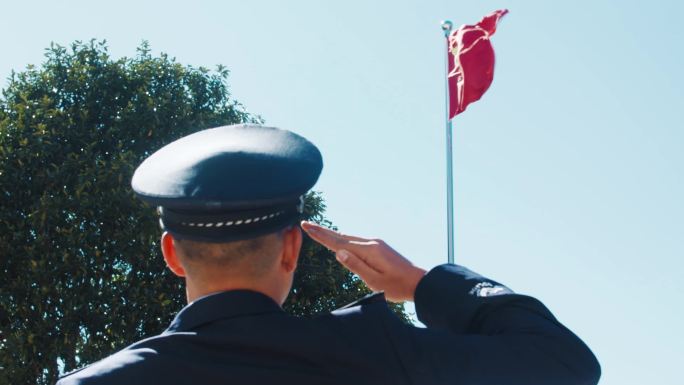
(488, 289)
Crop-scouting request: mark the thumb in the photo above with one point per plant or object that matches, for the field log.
(358, 266)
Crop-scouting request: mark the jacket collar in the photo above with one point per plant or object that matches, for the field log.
(226, 304)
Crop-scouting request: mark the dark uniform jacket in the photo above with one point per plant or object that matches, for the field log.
(478, 332)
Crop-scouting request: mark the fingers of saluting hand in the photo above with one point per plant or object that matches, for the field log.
(332, 239)
(374, 252)
(373, 260)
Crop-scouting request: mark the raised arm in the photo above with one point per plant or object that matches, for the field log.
(479, 331)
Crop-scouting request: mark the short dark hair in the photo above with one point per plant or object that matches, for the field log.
(250, 256)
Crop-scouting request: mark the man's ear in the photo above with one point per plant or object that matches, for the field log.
(170, 256)
(292, 244)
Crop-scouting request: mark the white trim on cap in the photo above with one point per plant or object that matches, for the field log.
(233, 223)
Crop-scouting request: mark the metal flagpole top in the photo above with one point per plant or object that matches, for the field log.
(447, 25)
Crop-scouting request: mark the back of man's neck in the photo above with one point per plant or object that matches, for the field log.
(194, 291)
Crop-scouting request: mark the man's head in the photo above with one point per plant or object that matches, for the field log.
(229, 200)
(265, 264)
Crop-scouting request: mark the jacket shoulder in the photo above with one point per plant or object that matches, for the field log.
(126, 365)
(369, 313)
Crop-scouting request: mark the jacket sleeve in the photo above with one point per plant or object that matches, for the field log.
(479, 332)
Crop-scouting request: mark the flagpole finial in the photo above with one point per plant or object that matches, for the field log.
(447, 25)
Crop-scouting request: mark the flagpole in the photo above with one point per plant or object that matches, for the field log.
(446, 27)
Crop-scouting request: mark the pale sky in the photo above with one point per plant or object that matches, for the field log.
(568, 173)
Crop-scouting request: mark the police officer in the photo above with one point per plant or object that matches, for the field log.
(230, 199)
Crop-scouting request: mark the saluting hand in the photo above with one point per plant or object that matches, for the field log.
(375, 262)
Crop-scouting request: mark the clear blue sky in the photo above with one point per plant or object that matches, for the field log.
(568, 172)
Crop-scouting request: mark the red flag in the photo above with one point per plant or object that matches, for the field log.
(471, 62)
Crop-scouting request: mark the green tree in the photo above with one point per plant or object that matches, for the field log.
(82, 274)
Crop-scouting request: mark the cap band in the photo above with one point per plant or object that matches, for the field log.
(229, 225)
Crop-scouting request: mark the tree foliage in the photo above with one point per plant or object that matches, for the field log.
(82, 275)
